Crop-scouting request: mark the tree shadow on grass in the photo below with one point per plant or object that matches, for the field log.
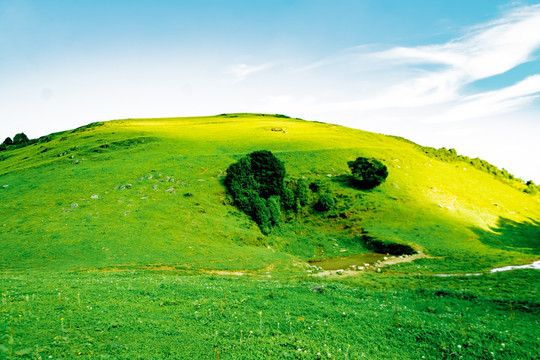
(349, 181)
(512, 235)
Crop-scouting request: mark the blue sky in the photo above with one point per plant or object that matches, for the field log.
(462, 74)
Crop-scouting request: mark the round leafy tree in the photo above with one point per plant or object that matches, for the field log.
(20, 138)
(368, 173)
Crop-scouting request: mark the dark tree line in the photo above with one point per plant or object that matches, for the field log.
(19, 140)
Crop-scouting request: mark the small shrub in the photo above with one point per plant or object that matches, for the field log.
(274, 208)
(20, 138)
(303, 193)
(288, 200)
(325, 203)
(368, 173)
(261, 214)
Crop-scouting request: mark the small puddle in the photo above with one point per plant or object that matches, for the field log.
(343, 262)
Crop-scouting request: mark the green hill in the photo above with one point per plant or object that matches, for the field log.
(131, 196)
(138, 193)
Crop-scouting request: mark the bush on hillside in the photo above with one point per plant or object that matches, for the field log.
(325, 203)
(368, 173)
(274, 207)
(256, 183)
(303, 193)
(20, 139)
(8, 141)
(531, 188)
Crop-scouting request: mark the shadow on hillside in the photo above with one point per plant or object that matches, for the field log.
(513, 235)
(349, 181)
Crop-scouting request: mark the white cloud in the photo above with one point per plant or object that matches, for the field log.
(487, 50)
(241, 71)
(492, 102)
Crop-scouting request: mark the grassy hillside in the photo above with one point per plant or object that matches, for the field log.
(119, 241)
(101, 196)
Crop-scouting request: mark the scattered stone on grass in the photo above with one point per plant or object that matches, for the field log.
(318, 289)
(74, 205)
(155, 187)
(126, 213)
(171, 190)
(129, 186)
(144, 198)
(95, 196)
(5, 186)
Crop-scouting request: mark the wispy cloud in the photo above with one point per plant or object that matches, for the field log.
(242, 71)
(484, 51)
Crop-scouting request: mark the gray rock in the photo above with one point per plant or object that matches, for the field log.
(144, 198)
(129, 186)
(126, 213)
(171, 180)
(155, 187)
(5, 186)
(318, 289)
(170, 190)
(74, 206)
(95, 196)
(122, 187)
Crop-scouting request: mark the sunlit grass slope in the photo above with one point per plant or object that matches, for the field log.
(147, 193)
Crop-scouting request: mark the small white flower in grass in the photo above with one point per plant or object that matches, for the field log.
(459, 347)
(502, 344)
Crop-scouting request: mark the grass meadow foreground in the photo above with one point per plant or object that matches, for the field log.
(164, 315)
(119, 241)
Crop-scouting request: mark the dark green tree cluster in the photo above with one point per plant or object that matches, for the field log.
(368, 173)
(18, 141)
(256, 183)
